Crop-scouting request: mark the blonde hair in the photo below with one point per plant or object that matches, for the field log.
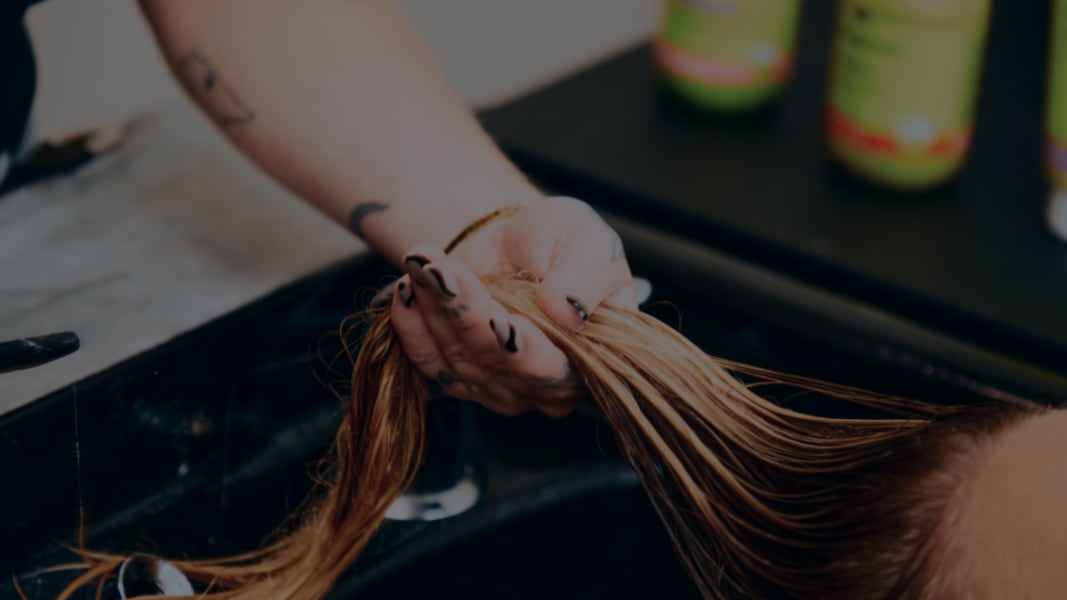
(760, 501)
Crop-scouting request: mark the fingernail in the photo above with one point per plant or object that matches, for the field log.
(505, 334)
(384, 297)
(407, 295)
(443, 281)
(579, 307)
(414, 263)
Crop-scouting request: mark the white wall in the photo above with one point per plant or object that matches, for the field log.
(97, 62)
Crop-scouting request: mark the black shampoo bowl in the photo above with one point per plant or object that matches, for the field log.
(202, 446)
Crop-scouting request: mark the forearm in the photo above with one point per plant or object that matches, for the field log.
(341, 103)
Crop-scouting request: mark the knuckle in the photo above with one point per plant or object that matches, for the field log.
(493, 362)
(470, 373)
(455, 353)
(421, 355)
(457, 390)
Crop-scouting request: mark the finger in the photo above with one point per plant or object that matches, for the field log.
(541, 371)
(415, 338)
(590, 269)
(456, 309)
(428, 301)
(418, 257)
(469, 307)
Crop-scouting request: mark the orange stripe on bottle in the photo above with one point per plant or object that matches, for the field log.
(718, 72)
(848, 131)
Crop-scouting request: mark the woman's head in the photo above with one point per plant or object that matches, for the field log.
(761, 501)
(1006, 532)
(765, 502)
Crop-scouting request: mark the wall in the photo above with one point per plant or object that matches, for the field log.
(98, 63)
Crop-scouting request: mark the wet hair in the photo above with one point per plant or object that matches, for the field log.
(760, 501)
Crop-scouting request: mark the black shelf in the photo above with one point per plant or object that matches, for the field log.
(972, 259)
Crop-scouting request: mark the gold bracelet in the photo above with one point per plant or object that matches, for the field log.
(475, 225)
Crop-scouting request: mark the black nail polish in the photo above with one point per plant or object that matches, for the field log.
(414, 265)
(418, 259)
(444, 282)
(507, 336)
(579, 307)
(407, 295)
(512, 344)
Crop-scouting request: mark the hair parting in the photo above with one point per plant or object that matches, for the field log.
(760, 500)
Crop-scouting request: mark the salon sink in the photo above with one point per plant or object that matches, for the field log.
(202, 446)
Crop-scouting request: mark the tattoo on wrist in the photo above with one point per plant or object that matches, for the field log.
(218, 99)
(361, 212)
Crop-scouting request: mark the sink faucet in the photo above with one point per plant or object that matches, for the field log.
(450, 479)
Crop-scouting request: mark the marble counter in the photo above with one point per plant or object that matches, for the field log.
(169, 232)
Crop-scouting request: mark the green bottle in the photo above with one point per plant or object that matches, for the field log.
(727, 55)
(903, 88)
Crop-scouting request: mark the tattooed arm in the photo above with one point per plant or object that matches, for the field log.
(340, 102)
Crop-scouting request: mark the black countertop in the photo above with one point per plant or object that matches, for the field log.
(972, 259)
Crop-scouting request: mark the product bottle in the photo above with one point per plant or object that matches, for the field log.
(903, 88)
(1056, 120)
(727, 55)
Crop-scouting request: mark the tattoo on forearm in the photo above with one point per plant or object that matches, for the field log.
(218, 99)
(361, 212)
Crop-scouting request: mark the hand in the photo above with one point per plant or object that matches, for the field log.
(455, 333)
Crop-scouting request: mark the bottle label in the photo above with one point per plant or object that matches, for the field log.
(732, 44)
(905, 82)
(1057, 95)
